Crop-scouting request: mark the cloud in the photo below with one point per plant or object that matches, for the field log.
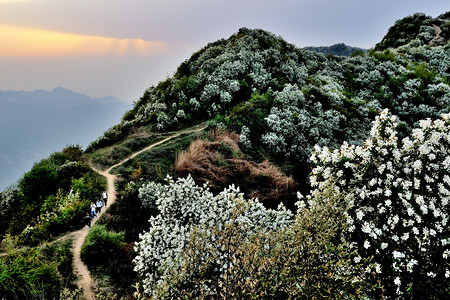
(30, 42)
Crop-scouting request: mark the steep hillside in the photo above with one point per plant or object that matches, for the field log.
(283, 100)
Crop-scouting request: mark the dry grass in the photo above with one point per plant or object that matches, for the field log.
(219, 162)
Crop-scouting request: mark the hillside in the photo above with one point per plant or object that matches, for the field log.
(417, 30)
(283, 100)
(35, 124)
(316, 175)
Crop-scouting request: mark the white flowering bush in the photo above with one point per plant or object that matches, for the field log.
(295, 123)
(184, 208)
(224, 246)
(245, 138)
(398, 193)
(8, 201)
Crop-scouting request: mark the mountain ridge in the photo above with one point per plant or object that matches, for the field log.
(339, 49)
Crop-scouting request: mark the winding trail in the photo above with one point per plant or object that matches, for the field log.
(81, 270)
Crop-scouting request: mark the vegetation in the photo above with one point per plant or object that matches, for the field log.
(107, 255)
(156, 163)
(219, 162)
(37, 273)
(51, 198)
(338, 49)
(283, 100)
(398, 193)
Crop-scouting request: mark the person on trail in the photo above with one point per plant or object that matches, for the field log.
(99, 206)
(105, 198)
(88, 219)
(93, 208)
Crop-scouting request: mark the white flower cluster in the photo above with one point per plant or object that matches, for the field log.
(184, 206)
(244, 138)
(8, 199)
(295, 123)
(399, 197)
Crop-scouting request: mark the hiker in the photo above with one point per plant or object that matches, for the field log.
(88, 219)
(99, 206)
(93, 208)
(105, 198)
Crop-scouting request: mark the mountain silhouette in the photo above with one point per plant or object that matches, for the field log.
(35, 124)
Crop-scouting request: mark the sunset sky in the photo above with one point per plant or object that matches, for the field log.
(121, 47)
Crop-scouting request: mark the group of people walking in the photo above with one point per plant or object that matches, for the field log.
(96, 208)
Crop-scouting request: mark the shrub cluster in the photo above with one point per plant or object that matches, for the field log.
(225, 246)
(51, 198)
(38, 273)
(374, 225)
(183, 206)
(398, 196)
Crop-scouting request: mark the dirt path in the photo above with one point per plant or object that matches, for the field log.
(80, 268)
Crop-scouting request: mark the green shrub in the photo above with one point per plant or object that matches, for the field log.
(39, 182)
(27, 276)
(90, 186)
(101, 245)
(127, 214)
(59, 213)
(106, 254)
(386, 55)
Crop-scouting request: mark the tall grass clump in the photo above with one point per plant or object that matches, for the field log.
(218, 161)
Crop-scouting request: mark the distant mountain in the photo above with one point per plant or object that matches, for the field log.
(35, 124)
(336, 49)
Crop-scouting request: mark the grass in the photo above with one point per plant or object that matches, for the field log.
(157, 162)
(108, 156)
(218, 161)
(38, 272)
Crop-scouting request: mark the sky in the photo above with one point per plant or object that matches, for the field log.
(121, 47)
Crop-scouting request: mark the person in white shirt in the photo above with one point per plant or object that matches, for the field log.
(105, 198)
(99, 206)
(93, 208)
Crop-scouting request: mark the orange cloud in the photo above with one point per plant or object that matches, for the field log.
(28, 42)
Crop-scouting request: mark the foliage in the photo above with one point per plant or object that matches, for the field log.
(305, 260)
(398, 196)
(218, 161)
(97, 242)
(59, 213)
(105, 253)
(285, 99)
(128, 214)
(51, 198)
(338, 49)
(406, 30)
(39, 273)
(184, 206)
(130, 217)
